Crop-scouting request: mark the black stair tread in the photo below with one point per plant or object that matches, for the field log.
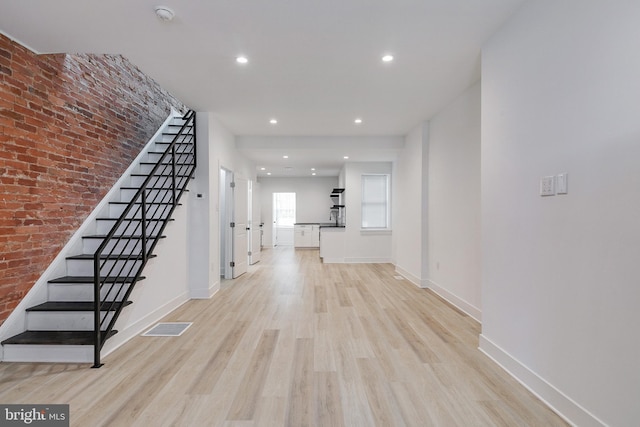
(139, 203)
(148, 188)
(89, 279)
(161, 175)
(167, 163)
(111, 256)
(122, 237)
(76, 306)
(55, 337)
(133, 219)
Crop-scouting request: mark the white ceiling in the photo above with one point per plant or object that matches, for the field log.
(315, 65)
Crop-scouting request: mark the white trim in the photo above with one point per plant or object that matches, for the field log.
(15, 40)
(205, 294)
(367, 260)
(559, 402)
(376, 231)
(327, 260)
(410, 277)
(461, 304)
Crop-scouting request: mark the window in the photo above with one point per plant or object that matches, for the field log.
(284, 209)
(375, 201)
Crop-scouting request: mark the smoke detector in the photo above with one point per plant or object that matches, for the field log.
(164, 13)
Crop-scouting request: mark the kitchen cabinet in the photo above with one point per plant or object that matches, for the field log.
(315, 236)
(306, 235)
(332, 245)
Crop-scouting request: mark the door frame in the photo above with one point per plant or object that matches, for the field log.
(226, 232)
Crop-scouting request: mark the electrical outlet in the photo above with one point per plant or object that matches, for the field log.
(547, 186)
(562, 183)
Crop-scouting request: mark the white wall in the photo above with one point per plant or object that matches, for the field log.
(363, 246)
(409, 185)
(216, 148)
(560, 293)
(437, 205)
(202, 284)
(166, 285)
(312, 199)
(454, 245)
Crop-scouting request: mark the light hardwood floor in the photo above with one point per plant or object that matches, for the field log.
(295, 342)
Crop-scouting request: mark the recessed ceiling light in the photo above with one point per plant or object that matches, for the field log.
(268, 173)
(285, 157)
(346, 157)
(313, 169)
(314, 174)
(387, 58)
(242, 60)
(164, 13)
(273, 121)
(263, 169)
(357, 121)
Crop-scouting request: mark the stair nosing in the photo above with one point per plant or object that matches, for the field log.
(139, 203)
(109, 257)
(89, 279)
(87, 337)
(142, 174)
(123, 237)
(133, 219)
(38, 309)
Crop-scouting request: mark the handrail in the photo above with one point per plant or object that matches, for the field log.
(130, 251)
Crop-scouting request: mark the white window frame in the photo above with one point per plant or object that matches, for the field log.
(387, 201)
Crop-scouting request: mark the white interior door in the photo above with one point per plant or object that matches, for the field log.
(226, 217)
(241, 225)
(255, 223)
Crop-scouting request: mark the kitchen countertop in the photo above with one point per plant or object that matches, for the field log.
(322, 224)
(331, 225)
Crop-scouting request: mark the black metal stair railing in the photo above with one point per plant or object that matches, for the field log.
(123, 254)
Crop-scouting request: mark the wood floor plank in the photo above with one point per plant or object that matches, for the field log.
(295, 342)
(327, 401)
(381, 401)
(211, 371)
(251, 387)
(300, 411)
(419, 346)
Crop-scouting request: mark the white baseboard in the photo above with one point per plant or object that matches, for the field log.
(327, 260)
(354, 260)
(562, 404)
(205, 293)
(469, 309)
(459, 303)
(410, 277)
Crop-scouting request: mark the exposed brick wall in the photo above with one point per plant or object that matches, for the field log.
(70, 125)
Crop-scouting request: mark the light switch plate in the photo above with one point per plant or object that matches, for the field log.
(562, 183)
(547, 186)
